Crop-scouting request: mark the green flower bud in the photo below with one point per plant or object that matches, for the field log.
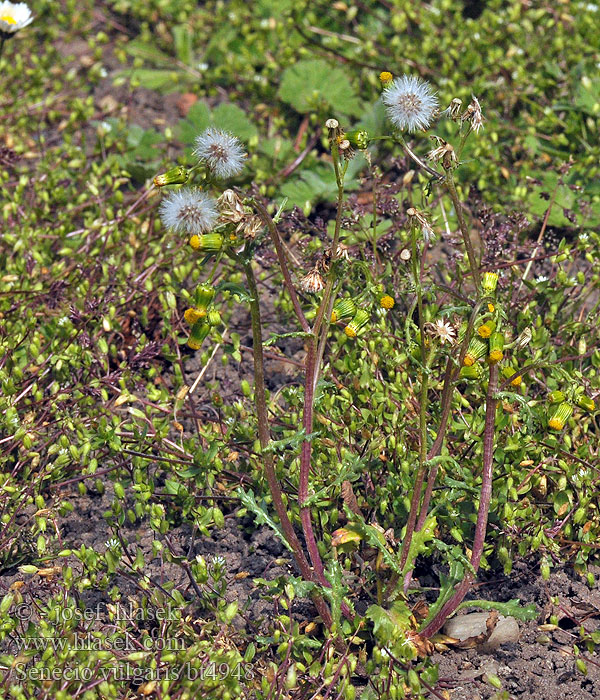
(360, 319)
(175, 176)
(344, 308)
(586, 403)
(207, 243)
(204, 295)
(359, 138)
(560, 416)
(508, 372)
(496, 348)
(214, 318)
(489, 282)
(477, 348)
(556, 397)
(486, 329)
(462, 331)
(386, 301)
(198, 334)
(473, 372)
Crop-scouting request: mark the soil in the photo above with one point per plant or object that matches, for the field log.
(541, 665)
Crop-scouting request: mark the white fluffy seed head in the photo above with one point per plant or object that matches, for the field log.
(189, 210)
(14, 16)
(221, 151)
(410, 103)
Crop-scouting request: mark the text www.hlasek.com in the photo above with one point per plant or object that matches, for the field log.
(92, 642)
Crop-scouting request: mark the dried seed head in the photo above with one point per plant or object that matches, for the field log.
(313, 282)
(473, 114)
(453, 109)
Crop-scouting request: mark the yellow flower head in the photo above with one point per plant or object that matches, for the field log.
(387, 301)
(195, 242)
(491, 308)
(485, 330)
(361, 317)
(193, 315)
(495, 356)
(386, 77)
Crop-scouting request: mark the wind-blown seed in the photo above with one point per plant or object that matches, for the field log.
(410, 103)
(221, 151)
(189, 210)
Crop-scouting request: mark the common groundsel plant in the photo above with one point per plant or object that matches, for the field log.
(378, 321)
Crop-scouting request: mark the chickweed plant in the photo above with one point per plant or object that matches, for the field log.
(461, 351)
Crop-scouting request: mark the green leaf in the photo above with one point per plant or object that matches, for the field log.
(390, 626)
(418, 543)
(182, 37)
(262, 516)
(232, 118)
(278, 336)
(291, 443)
(196, 120)
(314, 86)
(512, 608)
(238, 289)
(336, 593)
(156, 79)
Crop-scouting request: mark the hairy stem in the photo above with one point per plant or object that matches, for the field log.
(313, 361)
(264, 438)
(451, 187)
(418, 483)
(287, 279)
(484, 506)
(449, 379)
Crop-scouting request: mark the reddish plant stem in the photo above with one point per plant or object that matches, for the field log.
(264, 438)
(447, 391)
(484, 506)
(446, 401)
(305, 455)
(422, 469)
(287, 279)
(313, 363)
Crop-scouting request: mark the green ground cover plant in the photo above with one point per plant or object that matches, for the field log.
(396, 202)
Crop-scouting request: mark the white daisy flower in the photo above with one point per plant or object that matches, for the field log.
(410, 103)
(14, 17)
(221, 151)
(189, 210)
(443, 330)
